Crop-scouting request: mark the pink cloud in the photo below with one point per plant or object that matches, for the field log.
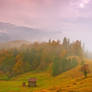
(38, 13)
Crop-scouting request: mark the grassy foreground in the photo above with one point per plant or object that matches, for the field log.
(71, 81)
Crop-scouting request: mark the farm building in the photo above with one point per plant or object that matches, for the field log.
(32, 82)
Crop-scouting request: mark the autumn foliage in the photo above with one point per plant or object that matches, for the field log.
(39, 56)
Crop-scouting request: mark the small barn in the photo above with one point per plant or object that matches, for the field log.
(32, 82)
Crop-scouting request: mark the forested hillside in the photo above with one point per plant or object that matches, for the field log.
(54, 55)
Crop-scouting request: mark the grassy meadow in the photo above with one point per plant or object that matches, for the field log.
(70, 81)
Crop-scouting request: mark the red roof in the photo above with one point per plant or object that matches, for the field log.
(32, 79)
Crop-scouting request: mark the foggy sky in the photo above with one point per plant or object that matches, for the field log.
(72, 17)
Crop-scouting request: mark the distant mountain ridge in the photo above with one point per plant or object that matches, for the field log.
(11, 32)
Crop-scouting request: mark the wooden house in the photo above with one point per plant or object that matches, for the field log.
(32, 82)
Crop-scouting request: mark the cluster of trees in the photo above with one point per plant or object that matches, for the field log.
(63, 64)
(39, 56)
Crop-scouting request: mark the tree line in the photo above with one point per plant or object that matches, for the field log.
(40, 56)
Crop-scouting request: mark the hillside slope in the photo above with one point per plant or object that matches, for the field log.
(70, 81)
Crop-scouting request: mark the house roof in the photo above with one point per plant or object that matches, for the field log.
(32, 80)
